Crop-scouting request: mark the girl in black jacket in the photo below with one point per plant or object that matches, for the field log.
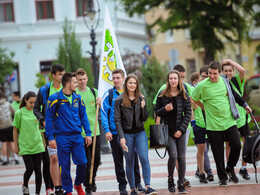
(130, 112)
(173, 106)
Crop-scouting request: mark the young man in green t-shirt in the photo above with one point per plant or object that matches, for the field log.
(238, 82)
(16, 100)
(91, 101)
(219, 99)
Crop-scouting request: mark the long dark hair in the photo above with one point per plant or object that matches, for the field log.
(27, 96)
(167, 91)
(126, 100)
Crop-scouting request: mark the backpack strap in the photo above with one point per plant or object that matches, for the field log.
(94, 94)
(110, 95)
(58, 103)
(186, 88)
(234, 81)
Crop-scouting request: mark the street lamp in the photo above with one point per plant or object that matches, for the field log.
(90, 12)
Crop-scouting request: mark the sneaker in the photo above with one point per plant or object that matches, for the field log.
(79, 190)
(171, 185)
(186, 183)
(133, 192)
(181, 189)
(16, 162)
(223, 183)
(197, 174)
(88, 192)
(25, 190)
(150, 191)
(5, 163)
(140, 189)
(49, 192)
(244, 174)
(93, 186)
(58, 192)
(69, 193)
(231, 174)
(203, 178)
(210, 176)
(123, 191)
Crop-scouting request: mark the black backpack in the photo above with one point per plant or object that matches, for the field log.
(251, 149)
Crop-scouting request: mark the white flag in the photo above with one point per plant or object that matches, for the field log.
(110, 58)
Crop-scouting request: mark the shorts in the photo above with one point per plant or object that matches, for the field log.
(51, 151)
(6, 135)
(244, 130)
(199, 134)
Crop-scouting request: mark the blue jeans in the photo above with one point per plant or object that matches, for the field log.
(139, 142)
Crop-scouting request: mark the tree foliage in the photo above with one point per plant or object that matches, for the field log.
(207, 21)
(6, 65)
(70, 55)
(153, 77)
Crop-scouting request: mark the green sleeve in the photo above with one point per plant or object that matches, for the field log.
(240, 84)
(17, 119)
(155, 99)
(196, 93)
(190, 89)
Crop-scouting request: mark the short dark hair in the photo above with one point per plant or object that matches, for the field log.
(119, 71)
(57, 68)
(205, 69)
(215, 65)
(16, 93)
(223, 65)
(194, 76)
(179, 68)
(66, 78)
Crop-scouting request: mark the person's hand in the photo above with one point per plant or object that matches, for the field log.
(43, 123)
(53, 144)
(177, 134)
(248, 109)
(142, 102)
(88, 140)
(169, 107)
(109, 136)
(123, 143)
(98, 101)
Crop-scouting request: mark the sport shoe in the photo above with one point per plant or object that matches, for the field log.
(171, 185)
(5, 163)
(223, 183)
(16, 162)
(133, 192)
(244, 174)
(123, 191)
(25, 190)
(150, 191)
(93, 186)
(186, 183)
(231, 174)
(69, 193)
(181, 189)
(210, 176)
(58, 192)
(203, 178)
(49, 192)
(140, 189)
(79, 190)
(197, 174)
(88, 192)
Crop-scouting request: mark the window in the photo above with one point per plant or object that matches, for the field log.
(6, 11)
(44, 9)
(45, 67)
(79, 6)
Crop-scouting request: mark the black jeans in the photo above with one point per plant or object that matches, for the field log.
(119, 164)
(33, 163)
(96, 161)
(216, 140)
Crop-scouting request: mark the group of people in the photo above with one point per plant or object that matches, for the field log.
(58, 123)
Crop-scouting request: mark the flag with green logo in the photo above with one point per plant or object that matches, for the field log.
(110, 58)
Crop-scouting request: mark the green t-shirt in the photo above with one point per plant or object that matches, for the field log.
(216, 104)
(90, 103)
(69, 98)
(242, 112)
(30, 139)
(16, 105)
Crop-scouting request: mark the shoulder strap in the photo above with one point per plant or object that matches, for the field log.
(94, 93)
(234, 81)
(47, 87)
(186, 88)
(58, 103)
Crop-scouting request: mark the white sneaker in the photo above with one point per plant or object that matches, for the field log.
(25, 190)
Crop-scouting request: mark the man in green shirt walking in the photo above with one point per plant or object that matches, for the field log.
(16, 100)
(219, 100)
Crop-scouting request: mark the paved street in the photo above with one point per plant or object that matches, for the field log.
(11, 177)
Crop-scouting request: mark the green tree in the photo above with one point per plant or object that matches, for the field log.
(69, 53)
(153, 77)
(207, 21)
(6, 65)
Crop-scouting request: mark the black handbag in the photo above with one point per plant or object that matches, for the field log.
(159, 137)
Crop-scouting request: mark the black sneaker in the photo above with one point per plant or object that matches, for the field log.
(140, 189)
(197, 174)
(223, 183)
(171, 185)
(210, 176)
(150, 191)
(244, 174)
(231, 174)
(25, 190)
(88, 191)
(5, 163)
(16, 162)
(133, 192)
(203, 178)
(181, 189)
(123, 192)
(186, 183)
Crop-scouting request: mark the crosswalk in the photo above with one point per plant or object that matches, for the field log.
(11, 176)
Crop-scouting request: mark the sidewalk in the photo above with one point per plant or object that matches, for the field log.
(11, 177)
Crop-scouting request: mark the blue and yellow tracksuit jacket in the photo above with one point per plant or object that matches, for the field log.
(69, 118)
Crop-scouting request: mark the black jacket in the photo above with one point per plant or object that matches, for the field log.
(183, 111)
(124, 115)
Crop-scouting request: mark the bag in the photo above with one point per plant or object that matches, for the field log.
(5, 114)
(159, 137)
(251, 149)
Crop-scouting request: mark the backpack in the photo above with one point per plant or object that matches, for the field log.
(5, 113)
(251, 149)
